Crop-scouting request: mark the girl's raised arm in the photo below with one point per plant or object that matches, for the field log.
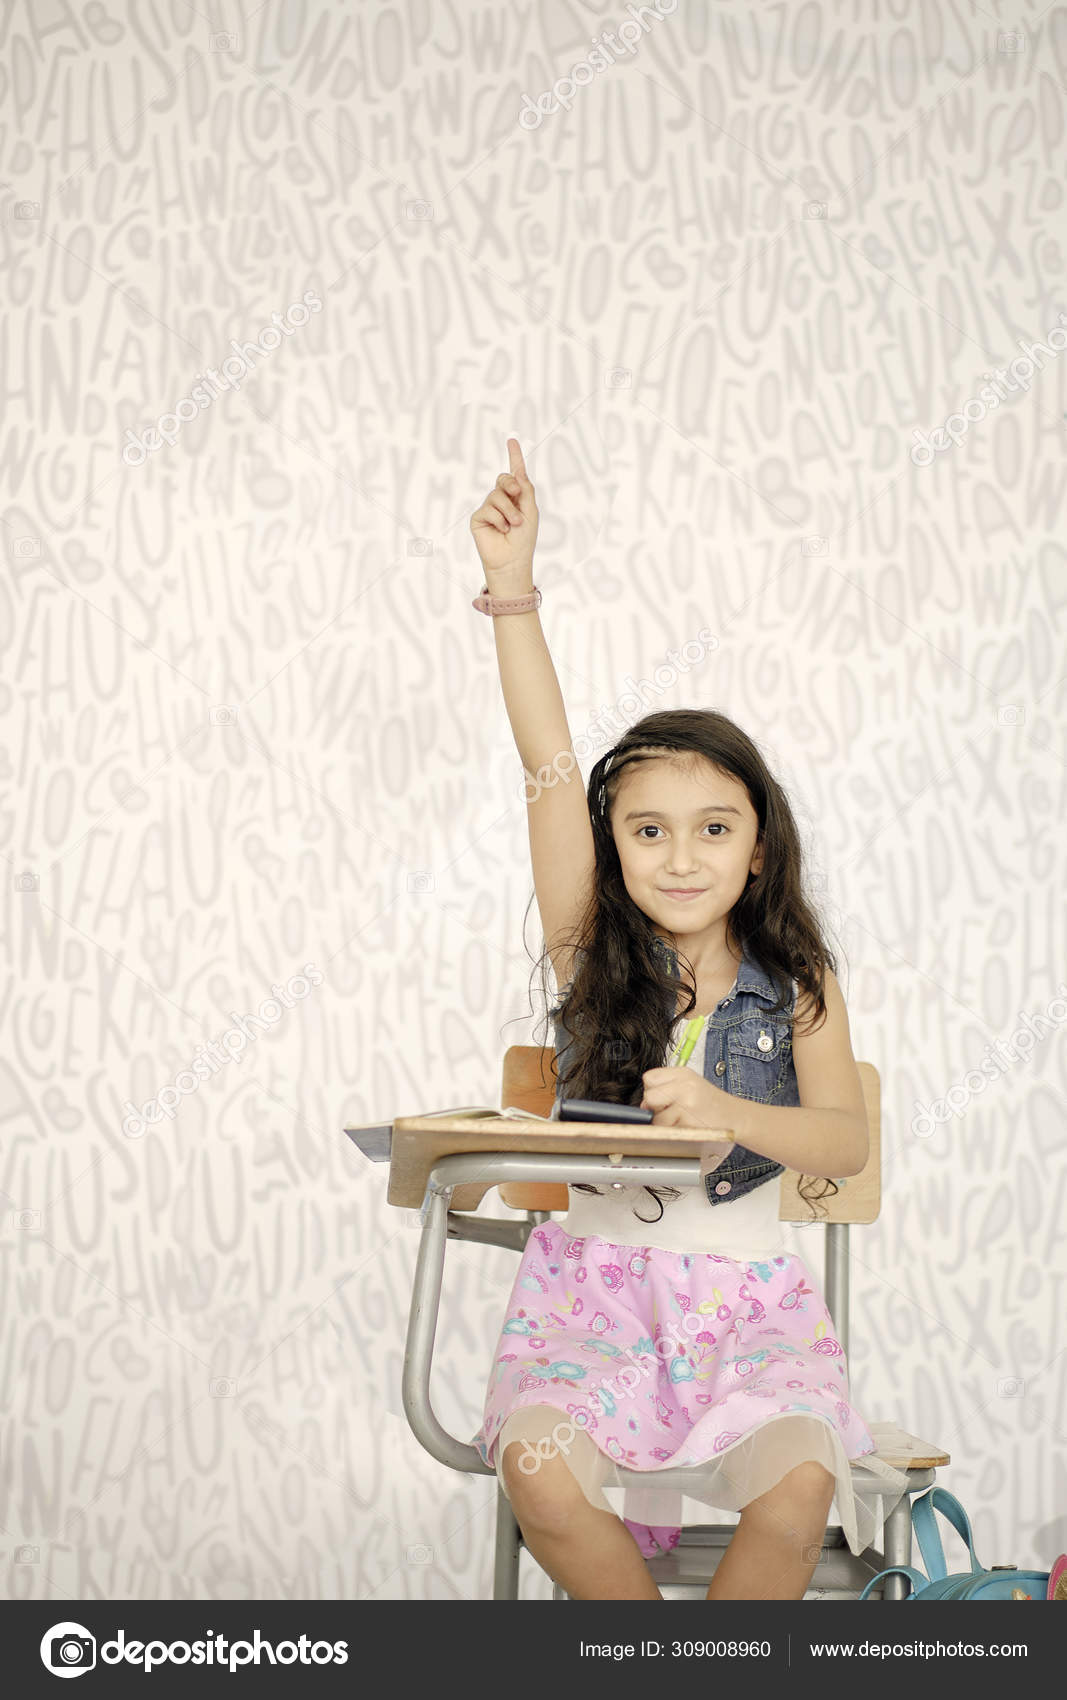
(561, 838)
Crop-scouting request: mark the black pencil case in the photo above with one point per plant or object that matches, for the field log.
(590, 1110)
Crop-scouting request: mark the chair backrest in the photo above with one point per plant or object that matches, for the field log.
(530, 1084)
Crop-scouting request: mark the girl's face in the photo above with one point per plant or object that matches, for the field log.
(681, 824)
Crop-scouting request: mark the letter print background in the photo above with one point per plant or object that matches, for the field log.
(250, 719)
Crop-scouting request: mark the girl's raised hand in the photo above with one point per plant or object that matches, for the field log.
(505, 526)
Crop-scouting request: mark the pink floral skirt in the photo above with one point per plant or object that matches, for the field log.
(658, 1359)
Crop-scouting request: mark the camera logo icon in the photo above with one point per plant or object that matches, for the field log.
(68, 1649)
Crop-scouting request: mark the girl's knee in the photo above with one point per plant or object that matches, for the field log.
(543, 1492)
(806, 1488)
(812, 1479)
(810, 1488)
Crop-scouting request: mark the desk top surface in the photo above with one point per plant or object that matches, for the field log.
(419, 1142)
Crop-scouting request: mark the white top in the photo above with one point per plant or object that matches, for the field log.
(742, 1227)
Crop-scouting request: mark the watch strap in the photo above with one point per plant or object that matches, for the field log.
(487, 604)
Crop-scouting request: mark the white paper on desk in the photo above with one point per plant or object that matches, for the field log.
(512, 1113)
(462, 1110)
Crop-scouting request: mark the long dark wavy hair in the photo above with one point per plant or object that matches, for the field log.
(622, 1001)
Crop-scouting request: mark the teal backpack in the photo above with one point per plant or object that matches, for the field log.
(977, 1584)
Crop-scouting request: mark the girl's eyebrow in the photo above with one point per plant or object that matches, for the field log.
(711, 809)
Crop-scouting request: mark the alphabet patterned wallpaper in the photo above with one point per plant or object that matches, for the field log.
(773, 297)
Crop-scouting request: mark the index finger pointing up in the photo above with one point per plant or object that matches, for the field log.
(517, 464)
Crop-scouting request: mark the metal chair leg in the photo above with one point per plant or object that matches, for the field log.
(897, 1547)
(508, 1541)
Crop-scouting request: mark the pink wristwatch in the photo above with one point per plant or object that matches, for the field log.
(487, 604)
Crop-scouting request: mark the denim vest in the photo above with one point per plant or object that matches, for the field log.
(747, 1052)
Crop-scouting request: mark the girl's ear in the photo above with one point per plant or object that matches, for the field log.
(757, 857)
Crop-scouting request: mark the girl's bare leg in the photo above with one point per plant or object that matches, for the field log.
(774, 1549)
(590, 1553)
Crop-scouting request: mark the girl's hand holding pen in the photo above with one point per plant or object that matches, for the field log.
(678, 1097)
(505, 526)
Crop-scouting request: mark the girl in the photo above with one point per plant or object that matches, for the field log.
(654, 1328)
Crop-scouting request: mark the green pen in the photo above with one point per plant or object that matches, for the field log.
(692, 1034)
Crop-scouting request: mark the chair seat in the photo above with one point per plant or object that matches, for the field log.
(902, 1451)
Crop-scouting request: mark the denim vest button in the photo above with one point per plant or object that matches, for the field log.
(720, 1068)
(765, 1041)
(723, 1186)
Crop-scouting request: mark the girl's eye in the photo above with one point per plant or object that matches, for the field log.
(651, 827)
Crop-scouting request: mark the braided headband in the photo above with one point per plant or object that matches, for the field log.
(609, 757)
